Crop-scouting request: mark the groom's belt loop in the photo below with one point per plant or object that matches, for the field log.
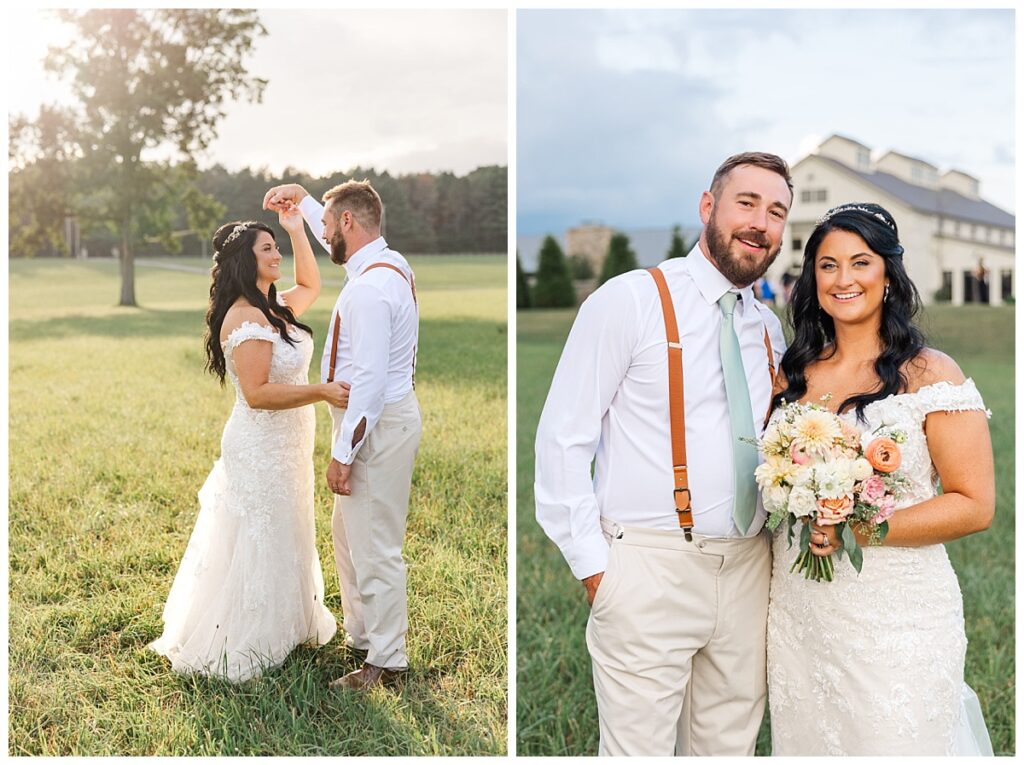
(337, 321)
(677, 415)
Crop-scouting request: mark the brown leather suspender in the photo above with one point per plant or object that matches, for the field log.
(677, 413)
(337, 322)
(334, 345)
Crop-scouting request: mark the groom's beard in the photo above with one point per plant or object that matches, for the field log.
(339, 252)
(740, 268)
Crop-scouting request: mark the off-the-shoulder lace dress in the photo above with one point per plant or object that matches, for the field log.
(873, 664)
(249, 588)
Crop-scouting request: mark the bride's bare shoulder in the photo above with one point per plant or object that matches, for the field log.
(239, 314)
(929, 367)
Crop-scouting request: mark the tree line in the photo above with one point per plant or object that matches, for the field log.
(147, 83)
(554, 284)
(425, 213)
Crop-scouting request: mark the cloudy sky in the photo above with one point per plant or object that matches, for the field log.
(401, 91)
(623, 116)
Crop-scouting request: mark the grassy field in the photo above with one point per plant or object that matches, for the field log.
(556, 712)
(113, 428)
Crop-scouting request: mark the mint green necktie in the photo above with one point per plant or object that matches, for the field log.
(741, 417)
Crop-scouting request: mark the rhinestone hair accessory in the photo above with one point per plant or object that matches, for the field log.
(236, 232)
(855, 208)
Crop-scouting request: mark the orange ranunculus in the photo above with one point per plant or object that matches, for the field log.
(833, 511)
(883, 454)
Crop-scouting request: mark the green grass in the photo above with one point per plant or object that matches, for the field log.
(556, 712)
(113, 428)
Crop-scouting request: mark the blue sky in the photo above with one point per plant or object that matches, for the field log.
(623, 116)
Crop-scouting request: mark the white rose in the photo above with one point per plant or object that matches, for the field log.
(802, 502)
(804, 476)
(764, 474)
(775, 498)
(860, 469)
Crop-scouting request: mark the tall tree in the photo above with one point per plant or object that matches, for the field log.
(619, 259)
(522, 286)
(42, 163)
(148, 80)
(678, 247)
(553, 287)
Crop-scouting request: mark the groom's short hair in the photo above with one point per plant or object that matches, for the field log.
(756, 158)
(360, 199)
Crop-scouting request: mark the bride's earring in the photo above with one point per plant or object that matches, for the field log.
(885, 295)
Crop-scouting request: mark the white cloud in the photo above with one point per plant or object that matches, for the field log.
(623, 115)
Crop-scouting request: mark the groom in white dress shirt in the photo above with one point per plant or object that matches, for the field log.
(677, 627)
(371, 344)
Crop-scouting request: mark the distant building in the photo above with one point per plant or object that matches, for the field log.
(591, 241)
(957, 244)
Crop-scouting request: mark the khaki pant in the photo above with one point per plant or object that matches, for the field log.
(677, 639)
(368, 530)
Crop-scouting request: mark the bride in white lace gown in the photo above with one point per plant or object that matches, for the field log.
(873, 664)
(249, 588)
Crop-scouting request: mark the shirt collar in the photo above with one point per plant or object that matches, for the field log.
(363, 257)
(711, 282)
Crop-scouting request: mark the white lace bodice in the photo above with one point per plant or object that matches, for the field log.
(907, 412)
(289, 364)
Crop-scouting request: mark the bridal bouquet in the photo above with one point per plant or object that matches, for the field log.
(821, 469)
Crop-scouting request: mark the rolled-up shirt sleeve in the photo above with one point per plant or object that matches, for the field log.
(594, 361)
(313, 212)
(368, 316)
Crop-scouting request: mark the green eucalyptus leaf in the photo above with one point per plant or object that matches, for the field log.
(852, 548)
(883, 529)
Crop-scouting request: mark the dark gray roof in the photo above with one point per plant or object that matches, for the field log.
(650, 245)
(944, 202)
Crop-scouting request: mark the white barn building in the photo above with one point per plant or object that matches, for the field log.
(950, 235)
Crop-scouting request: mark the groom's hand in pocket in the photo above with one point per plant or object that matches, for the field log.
(338, 478)
(592, 583)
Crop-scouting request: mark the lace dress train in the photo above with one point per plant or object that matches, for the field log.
(249, 588)
(873, 664)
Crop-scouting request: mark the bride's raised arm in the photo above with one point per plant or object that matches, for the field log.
(307, 274)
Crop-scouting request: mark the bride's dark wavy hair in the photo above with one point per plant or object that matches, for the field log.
(814, 329)
(234, 275)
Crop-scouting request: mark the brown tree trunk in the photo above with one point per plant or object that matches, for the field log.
(127, 267)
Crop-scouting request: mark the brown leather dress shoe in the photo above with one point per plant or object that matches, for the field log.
(369, 676)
